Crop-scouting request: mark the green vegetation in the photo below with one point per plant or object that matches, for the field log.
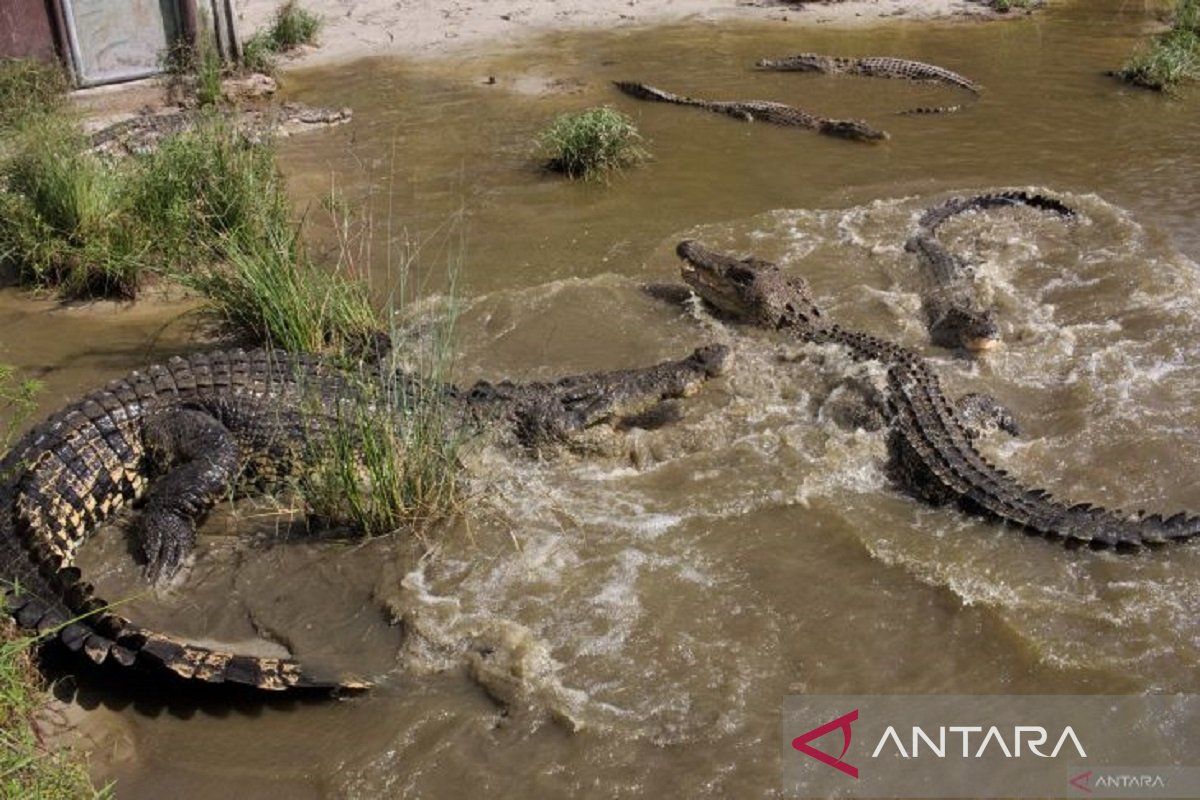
(64, 217)
(1173, 56)
(266, 286)
(391, 462)
(195, 71)
(91, 227)
(28, 768)
(16, 403)
(293, 26)
(207, 209)
(592, 143)
(28, 88)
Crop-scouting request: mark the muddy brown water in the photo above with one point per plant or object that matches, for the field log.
(629, 624)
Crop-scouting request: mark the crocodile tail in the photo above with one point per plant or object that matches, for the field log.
(934, 217)
(643, 91)
(52, 599)
(929, 110)
(85, 624)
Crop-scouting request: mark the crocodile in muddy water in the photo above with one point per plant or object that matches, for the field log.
(875, 67)
(932, 449)
(173, 438)
(761, 111)
(953, 314)
(143, 133)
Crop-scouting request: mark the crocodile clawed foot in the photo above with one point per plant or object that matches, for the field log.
(167, 540)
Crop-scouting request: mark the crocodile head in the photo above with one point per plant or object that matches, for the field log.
(854, 129)
(804, 62)
(748, 289)
(961, 326)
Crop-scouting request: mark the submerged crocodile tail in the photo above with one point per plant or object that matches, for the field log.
(645, 92)
(934, 217)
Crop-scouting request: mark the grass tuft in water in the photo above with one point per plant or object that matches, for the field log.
(1173, 56)
(591, 144)
(28, 88)
(17, 402)
(391, 461)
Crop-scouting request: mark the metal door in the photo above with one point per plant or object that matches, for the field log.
(119, 40)
(27, 30)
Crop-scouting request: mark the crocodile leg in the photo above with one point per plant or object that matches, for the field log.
(200, 459)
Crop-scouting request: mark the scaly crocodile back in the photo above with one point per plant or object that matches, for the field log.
(901, 68)
(872, 66)
(759, 110)
(86, 462)
(936, 441)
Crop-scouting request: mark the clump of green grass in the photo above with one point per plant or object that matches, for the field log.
(292, 27)
(195, 71)
(203, 184)
(591, 144)
(267, 287)
(91, 227)
(17, 401)
(28, 768)
(64, 220)
(258, 54)
(1004, 6)
(258, 275)
(28, 88)
(391, 460)
(1173, 56)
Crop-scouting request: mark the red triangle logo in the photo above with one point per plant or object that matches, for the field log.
(843, 724)
(1081, 780)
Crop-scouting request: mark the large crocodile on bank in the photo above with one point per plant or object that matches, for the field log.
(761, 111)
(875, 67)
(953, 314)
(144, 133)
(932, 448)
(174, 437)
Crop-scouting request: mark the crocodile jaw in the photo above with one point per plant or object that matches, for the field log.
(981, 344)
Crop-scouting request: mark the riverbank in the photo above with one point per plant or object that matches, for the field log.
(355, 29)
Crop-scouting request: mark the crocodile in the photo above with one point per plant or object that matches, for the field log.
(172, 438)
(954, 316)
(762, 111)
(876, 67)
(933, 452)
(143, 134)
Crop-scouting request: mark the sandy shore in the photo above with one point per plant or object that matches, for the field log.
(432, 28)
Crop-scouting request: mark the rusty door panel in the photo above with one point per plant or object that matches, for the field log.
(26, 30)
(116, 40)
